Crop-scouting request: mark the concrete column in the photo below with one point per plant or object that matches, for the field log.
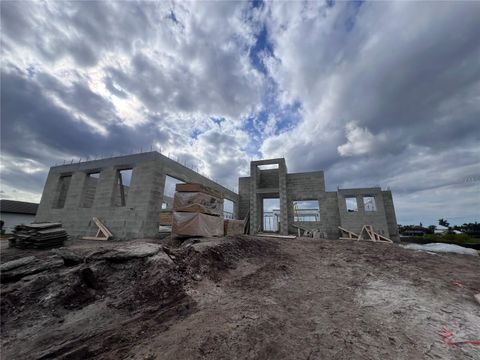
(235, 210)
(360, 205)
(48, 197)
(75, 190)
(106, 183)
(390, 215)
(282, 181)
(155, 181)
(253, 199)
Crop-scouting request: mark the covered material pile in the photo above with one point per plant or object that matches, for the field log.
(197, 211)
(38, 236)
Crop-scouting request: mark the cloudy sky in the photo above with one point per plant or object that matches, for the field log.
(374, 93)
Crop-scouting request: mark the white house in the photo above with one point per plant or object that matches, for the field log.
(440, 229)
(16, 212)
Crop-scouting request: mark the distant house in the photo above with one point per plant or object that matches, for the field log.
(440, 229)
(16, 212)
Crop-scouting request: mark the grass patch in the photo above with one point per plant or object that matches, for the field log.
(452, 238)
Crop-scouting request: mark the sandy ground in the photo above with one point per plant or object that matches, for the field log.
(246, 298)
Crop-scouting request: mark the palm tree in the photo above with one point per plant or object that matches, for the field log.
(443, 222)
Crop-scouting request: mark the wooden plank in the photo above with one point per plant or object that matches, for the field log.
(94, 238)
(351, 234)
(300, 227)
(372, 235)
(102, 230)
(384, 238)
(101, 226)
(277, 236)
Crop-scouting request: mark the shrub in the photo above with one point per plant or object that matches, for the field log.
(452, 238)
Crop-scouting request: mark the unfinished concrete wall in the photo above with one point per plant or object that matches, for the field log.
(329, 215)
(244, 197)
(267, 184)
(301, 187)
(355, 220)
(137, 217)
(311, 186)
(269, 179)
(89, 190)
(390, 214)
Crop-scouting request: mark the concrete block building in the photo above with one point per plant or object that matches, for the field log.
(125, 192)
(348, 208)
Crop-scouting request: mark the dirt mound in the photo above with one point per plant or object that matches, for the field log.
(240, 298)
(93, 304)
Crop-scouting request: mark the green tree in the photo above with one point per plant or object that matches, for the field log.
(443, 222)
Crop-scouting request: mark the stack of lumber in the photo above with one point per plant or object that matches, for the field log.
(38, 236)
(197, 211)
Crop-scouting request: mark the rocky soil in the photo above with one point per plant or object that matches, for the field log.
(238, 298)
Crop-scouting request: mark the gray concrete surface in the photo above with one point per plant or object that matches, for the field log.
(73, 198)
(290, 188)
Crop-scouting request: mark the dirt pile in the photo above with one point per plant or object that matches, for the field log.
(240, 298)
(76, 304)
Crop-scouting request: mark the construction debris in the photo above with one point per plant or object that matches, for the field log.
(102, 230)
(367, 233)
(197, 211)
(38, 236)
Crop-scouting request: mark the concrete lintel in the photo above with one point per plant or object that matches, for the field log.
(268, 190)
(269, 161)
(123, 160)
(359, 191)
(319, 172)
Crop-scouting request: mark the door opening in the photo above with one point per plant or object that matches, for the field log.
(271, 215)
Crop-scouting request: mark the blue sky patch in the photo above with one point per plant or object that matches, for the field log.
(262, 47)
